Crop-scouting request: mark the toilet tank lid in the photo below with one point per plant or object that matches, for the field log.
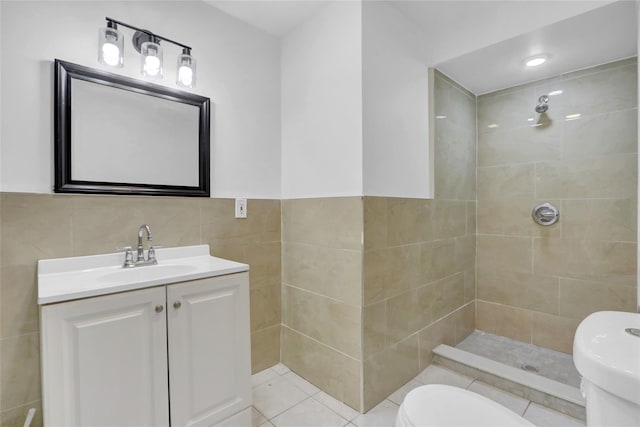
(608, 356)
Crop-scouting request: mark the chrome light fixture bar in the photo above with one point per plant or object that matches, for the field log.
(147, 43)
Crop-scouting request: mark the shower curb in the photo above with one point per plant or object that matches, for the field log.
(538, 389)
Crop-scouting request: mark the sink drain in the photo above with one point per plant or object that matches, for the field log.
(529, 368)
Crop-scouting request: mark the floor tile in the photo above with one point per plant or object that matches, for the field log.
(437, 375)
(515, 403)
(267, 424)
(242, 418)
(263, 376)
(398, 396)
(301, 383)
(257, 418)
(280, 369)
(309, 413)
(276, 396)
(545, 417)
(383, 415)
(335, 405)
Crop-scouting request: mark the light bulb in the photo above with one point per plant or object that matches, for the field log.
(185, 75)
(110, 54)
(152, 65)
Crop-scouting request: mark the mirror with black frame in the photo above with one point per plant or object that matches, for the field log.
(117, 135)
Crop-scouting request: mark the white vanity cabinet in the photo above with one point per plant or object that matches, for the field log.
(176, 354)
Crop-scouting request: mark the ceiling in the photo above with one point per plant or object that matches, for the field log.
(482, 43)
(596, 37)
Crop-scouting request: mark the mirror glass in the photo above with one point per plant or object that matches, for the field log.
(118, 135)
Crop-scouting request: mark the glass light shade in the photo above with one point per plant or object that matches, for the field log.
(151, 60)
(186, 73)
(110, 47)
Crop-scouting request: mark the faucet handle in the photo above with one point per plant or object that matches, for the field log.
(128, 256)
(151, 254)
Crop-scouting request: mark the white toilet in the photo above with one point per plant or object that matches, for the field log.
(606, 352)
(438, 405)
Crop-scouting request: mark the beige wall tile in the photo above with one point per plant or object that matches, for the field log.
(587, 259)
(600, 219)
(437, 260)
(331, 322)
(448, 295)
(512, 217)
(523, 290)
(469, 285)
(504, 320)
(579, 298)
(374, 328)
(388, 370)
(553, 332)
(612, 90)
(441, 332)
(597, 177)
(19, 370)
(15, 417)
(34, 227)
(465, 248)
(508, 109)
(335, 373)
(465, 321)
(406, 315)
(220, 227)
(19, 302)
(265, 348)
(265, 262)
(504, 253)
(335, 222)
(525, 144)
(375, 222)
(407, 221)
(503, 182)
(390, 271)
(336, 273)
(265, 306)
(472, 217)
(448, 219)
(601, 135)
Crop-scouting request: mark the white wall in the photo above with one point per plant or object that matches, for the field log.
(238, 68)
(395, 105)
(322, 105)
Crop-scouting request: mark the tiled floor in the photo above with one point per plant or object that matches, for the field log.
(283, 399)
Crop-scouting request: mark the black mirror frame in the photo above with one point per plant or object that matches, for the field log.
(64, 72)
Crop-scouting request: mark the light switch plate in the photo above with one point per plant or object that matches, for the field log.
(241, 208)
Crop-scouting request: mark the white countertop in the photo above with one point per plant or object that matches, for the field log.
(65, 279)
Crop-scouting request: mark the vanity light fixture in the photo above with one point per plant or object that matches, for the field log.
(111, 48)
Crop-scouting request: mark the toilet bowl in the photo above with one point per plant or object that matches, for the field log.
(606, 352)
(438, 405)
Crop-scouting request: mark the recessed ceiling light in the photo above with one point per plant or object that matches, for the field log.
(534, 61)
(573, 116)
(555, 92)
(492, 126)
(441, 117)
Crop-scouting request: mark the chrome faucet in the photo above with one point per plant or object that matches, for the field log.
(151, 253)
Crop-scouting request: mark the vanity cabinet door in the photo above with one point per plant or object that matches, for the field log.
(104, 361)
(209, 349)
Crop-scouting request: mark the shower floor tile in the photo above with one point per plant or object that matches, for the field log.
(549, 363)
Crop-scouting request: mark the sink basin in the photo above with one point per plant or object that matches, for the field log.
(609, 356)
(146, 273)
(66, 279)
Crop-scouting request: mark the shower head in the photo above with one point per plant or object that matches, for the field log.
(543, 104)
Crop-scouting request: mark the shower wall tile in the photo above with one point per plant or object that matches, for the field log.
(442, 331)
(579, 298)
(505, 320)
(600, 219)
(335, 373)
(438, 260)
(587, 167)
(595, 177)
(519, 145)
(43, 226)
(390, 271)
(374, 318)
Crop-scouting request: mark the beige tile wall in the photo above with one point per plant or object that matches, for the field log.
(419, 259)
(536, 283)
(41, 226)
(322, 293)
